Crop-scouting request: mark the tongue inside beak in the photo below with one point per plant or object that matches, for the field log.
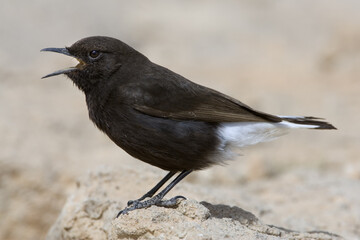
(65, 52)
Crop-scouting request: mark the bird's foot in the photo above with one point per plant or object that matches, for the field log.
(156, 200)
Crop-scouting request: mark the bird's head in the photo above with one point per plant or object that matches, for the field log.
(99, 58)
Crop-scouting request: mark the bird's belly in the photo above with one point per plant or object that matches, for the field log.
(168, 144)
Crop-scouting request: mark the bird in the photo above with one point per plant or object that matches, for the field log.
(164, 119)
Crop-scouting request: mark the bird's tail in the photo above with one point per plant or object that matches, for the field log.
(241, 134)
(305, 122)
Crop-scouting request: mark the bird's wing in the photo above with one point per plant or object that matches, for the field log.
(201, 104)
(203, 113)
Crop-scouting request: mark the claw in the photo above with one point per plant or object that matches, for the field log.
(121, 212)
(170, 203)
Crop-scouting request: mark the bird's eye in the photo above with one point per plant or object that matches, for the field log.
(94, 54)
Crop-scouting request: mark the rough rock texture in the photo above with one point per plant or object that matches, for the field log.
(89, 214)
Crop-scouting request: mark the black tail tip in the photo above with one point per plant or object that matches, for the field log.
(322, 125)
(326, 126)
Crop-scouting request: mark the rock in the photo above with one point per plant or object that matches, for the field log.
(90, 211)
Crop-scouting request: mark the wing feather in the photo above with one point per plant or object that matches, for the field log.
(216, 107)
(180, 99)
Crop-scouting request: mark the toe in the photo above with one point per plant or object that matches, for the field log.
(170, 203)
(130, 202)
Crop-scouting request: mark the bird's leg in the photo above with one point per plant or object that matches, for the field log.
(153, 190)
(157, 199)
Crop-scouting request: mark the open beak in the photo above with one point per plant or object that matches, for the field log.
(65, 52)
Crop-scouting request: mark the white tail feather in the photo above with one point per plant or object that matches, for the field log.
(249, 133)
(241, 134)
(295, 125)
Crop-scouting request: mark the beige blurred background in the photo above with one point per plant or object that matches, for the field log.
(283, 57)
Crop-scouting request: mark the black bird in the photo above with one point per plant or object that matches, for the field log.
(162, 118)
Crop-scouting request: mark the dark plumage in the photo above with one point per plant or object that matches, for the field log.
(161, 117)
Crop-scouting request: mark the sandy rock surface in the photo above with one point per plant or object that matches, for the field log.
(90, 211)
